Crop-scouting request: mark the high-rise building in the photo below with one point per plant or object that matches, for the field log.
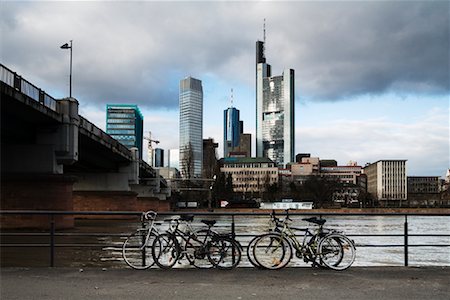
(158, 158)
(231, 130)
(173, 158)
(274, 111)
(209, 158)
(125, 123)
(191, 127)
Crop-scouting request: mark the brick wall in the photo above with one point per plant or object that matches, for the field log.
(36, 192)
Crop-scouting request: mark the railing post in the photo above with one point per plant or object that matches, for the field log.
(52, 240)
(17, 82)
(233, 235)
(143, 237)
(406, 240)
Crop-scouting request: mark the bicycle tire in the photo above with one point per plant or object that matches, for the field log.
(272, 251)
(166, 250)
(224, 253)
(250, 255)
(137, 251)
(336, 251)
(196, 250)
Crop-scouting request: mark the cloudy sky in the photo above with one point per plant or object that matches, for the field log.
(372, 77)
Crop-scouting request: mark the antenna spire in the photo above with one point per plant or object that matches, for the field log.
(264, 31)
(231, 97)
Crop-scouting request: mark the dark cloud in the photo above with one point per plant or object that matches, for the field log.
(138, 51)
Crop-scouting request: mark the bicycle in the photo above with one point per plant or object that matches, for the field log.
(204, 248)
(137, 248)
(323, 247)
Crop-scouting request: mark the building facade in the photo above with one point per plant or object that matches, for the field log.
(274, 111)
(209, 158)
(125, 123)
(250, 174)
(386, 180)
(158, 158)
(231, 130)
(191, 127)
(173, 158)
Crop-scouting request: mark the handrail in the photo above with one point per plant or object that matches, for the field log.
(16, 81)
(52, 234)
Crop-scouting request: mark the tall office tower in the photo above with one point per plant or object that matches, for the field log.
(274, 111)
(173, 158)
(125, 123)
(231, 130)
(191, 127)
(159, 158)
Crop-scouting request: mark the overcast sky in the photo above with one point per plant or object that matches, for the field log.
(372, 77)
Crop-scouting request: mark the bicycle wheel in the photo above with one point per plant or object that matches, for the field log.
(224, 253)
(272, 251)
(250, 256)
(196, 249)
(336, 252)
(166, 251)
(137, 250)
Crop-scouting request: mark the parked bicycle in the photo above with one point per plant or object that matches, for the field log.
(204, 248)
(137, 249)
(321, 246)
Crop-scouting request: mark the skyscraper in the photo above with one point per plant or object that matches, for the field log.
(125, 123)
(231, 130)
(158, 158)
(191, 127)
(274, 111)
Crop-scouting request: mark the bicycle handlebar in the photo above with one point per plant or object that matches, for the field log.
(149, 215)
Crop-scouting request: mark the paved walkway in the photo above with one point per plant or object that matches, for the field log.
(243, 283)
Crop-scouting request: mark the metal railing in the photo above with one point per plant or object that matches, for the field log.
(15, 81)
(52, 233)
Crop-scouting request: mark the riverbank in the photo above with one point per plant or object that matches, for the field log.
(437, 211)
(244, 283)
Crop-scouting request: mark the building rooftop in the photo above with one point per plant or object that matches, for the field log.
(231, 160)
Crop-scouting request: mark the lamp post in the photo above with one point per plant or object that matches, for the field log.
(66, 46)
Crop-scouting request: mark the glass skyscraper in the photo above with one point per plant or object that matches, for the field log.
(125, 123)
(191, 127)
(231, 130)
(274, 111)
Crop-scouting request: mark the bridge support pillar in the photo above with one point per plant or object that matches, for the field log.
(36, 192)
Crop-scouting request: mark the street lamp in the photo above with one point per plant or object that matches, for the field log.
(66, 46)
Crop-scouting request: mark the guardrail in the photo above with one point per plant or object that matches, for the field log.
(52, 234)
(16, 81)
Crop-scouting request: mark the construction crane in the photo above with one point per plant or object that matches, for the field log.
(150, 141)
(150, 148)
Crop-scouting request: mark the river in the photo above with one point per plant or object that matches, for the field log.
(107, 237)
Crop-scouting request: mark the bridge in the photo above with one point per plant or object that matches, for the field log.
(54, 159)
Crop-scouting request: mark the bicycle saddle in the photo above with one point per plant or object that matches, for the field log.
(187, 218)
(209, 222)
(315, 220)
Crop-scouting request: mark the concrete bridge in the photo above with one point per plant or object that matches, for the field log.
(54, 159)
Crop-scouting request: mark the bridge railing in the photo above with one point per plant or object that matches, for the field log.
(48, 238)
(17, 82)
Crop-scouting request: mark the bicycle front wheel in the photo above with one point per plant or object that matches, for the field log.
(166, 251)
(250, 256)
(137, 250)
(272, 251)
(336, 251)
(224, 253)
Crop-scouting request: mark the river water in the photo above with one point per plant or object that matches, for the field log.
(353, 226)
(107, 237)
